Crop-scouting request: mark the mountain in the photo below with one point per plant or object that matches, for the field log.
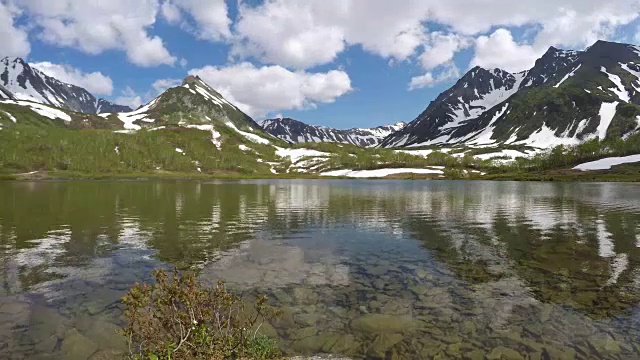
(192, 103)
(566, 98)
(28, 83)
(295, 131)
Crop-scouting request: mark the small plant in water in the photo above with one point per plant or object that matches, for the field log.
(178, 318)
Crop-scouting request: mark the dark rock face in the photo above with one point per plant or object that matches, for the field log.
(28, 83)
(295, 131)
(104, 106)
(559, 100)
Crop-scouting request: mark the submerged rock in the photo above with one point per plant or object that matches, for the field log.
(379, 323)
(76, 346)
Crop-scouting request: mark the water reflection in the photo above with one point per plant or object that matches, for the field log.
(460, 269)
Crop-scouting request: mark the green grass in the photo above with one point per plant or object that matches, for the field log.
(51, 149)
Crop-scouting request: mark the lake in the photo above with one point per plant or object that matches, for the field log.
(367, 269)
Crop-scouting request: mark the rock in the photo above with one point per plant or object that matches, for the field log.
(379, 323)
(383, 343)
(476, 354)
(299, 334)
(342, 344)
(267, 330)
(76, 346)
(304, 296)
(307, 319)
(47, 346)
(107, 335)
(310, 345)
(397, 307)
(502, 352)
(605, 344)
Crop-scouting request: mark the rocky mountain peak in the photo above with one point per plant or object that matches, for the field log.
(28, 83)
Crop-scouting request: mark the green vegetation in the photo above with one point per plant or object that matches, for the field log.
(178, 318)
(103, 152)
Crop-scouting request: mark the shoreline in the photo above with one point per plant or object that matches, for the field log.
(549, 176)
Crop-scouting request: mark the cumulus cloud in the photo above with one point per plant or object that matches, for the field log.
(161, 85)
(441, 48)
(95, 82)
(260, 90)
(130, 98)
(96, 26)
(14, 40)
(499, 50)
(304, 34)
(447, 73)
(208, 20)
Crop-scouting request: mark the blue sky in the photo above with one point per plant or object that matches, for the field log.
(340, 63)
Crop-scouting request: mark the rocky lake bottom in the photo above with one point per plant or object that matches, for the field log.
(360, 269)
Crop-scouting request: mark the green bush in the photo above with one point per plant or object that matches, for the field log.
(178, 318)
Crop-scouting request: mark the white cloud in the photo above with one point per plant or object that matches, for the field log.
(499, 50)
(209, 18)
(129, 98)
(161, 85)
(301, 34)
(304, 34)
(96, 26)
(448, 72)
(14, 40)
(260, 90)
(441, 48)
(95, 82)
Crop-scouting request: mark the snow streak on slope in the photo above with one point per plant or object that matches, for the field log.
(477, 107)
(607, 112)
(572, 73)
(44, 110)
(129, 118)
(634, 73)
(251, 136)
(619, 90)
(484, 137)
(11, 117)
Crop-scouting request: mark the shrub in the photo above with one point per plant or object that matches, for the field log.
(178, 318)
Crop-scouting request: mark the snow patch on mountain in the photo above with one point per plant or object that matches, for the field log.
(607, 112)
(129, 118)
(44, 110)
(484, 137)
(251, 136)
(380, 173)
(607, 163)
(619, 90)
(296, 154)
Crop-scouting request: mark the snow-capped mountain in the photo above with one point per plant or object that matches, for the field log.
(193, 103)
(295, 131)
(566, 98)
(27, 83)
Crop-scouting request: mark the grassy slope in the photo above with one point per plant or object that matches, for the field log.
(65, 150)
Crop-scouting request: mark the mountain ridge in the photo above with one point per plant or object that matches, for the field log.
(567, 97)
(295, 131)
